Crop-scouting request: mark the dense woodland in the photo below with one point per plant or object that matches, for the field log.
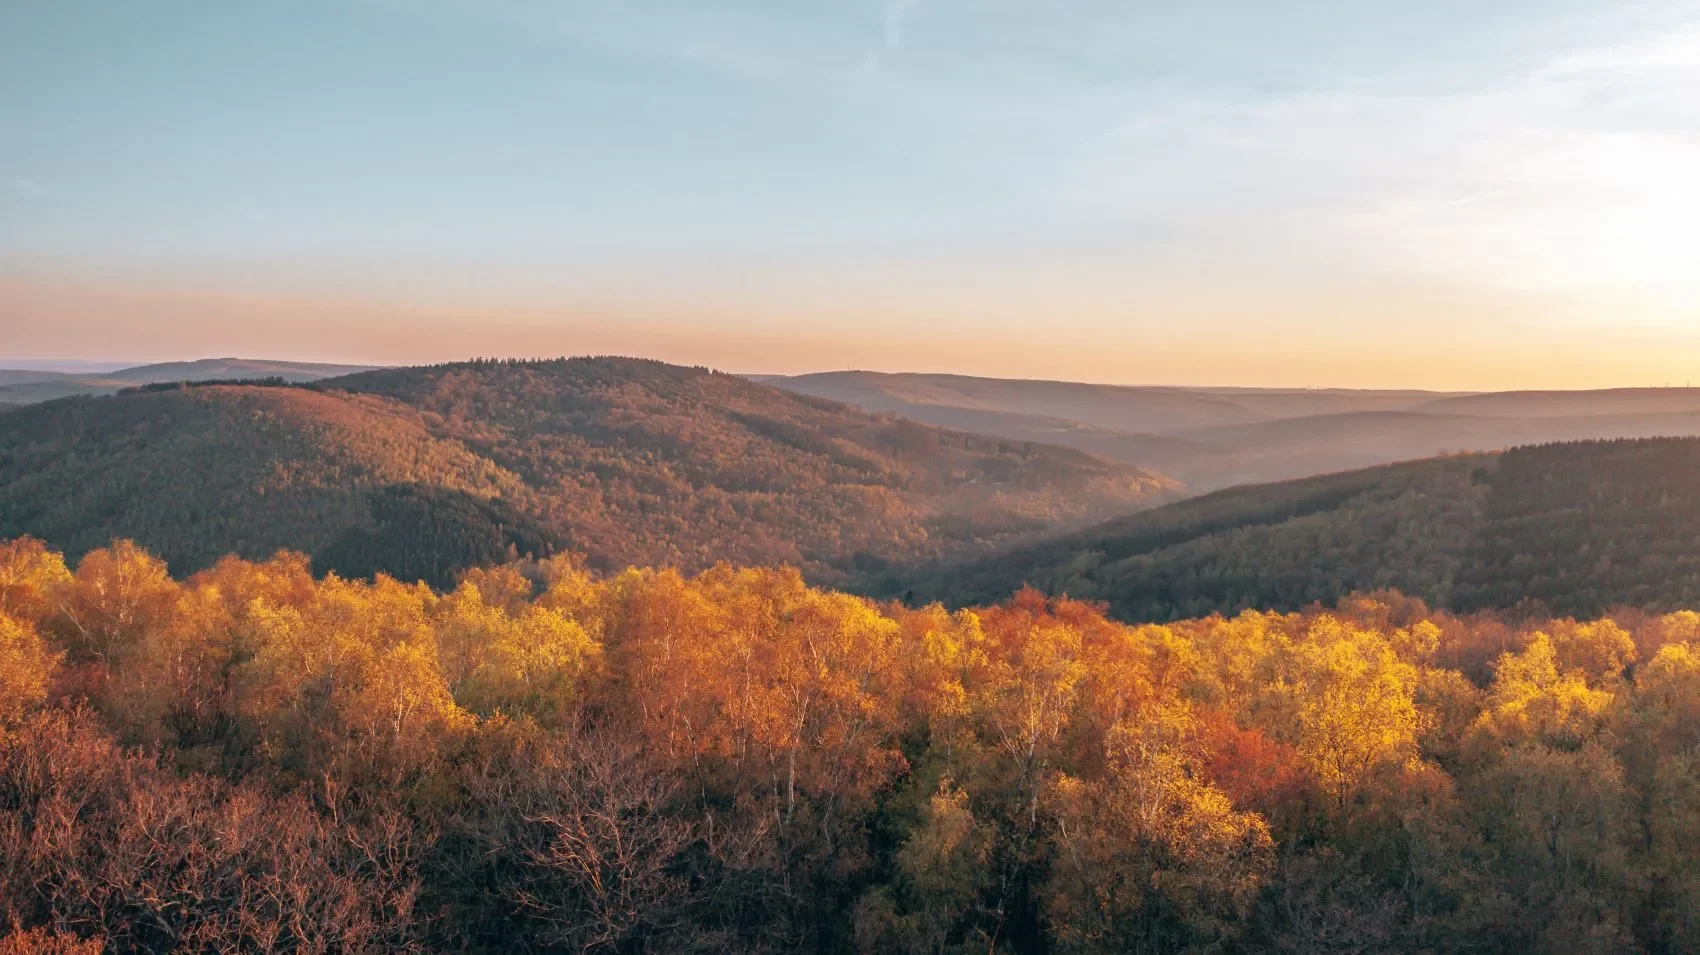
(1282, 545)
(1451, 705)
(624, 461)
(542, 759)
(1576, 528)
(1579, 527)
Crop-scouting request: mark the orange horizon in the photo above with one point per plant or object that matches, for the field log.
(1192, 345)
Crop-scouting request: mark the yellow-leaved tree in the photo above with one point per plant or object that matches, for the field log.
(533, 666)
(1346, 701)
(1152, 857)
(26, 669)
(32, 579)
(1660, 729)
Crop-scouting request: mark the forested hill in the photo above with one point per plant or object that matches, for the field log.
(422, 471)
(1570, 528)
(198, 472)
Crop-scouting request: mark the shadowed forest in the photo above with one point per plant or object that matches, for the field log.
(1575, 529)
(542, 758)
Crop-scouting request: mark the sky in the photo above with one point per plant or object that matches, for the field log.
(1348, 193)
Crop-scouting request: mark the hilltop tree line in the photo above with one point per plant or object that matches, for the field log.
(543, 759)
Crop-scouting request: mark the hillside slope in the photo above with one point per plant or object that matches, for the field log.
(1576, 528)
(1280, 545)
(198, 472)
(721, 468)
(1134, 409)
(1300, 447)
(421, 471)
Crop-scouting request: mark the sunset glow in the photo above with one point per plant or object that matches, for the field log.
(1443, 197)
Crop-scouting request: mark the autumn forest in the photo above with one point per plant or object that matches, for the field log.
(616, 656)
(541, 758)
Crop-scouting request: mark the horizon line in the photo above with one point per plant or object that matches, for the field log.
(125, 364)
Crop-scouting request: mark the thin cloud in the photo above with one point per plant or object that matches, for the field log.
(896, 13)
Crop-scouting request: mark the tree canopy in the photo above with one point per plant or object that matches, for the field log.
(541, 757)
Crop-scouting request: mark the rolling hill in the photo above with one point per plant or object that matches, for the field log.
(1568, 404)
(1305, 446)
(1213, 438)
(1134, 409)
(1575, 528)
(22, 386)
(201, 471)
(421, 471)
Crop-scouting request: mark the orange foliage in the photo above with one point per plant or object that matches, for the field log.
(254, 758)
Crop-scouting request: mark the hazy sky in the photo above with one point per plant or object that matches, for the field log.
(1454, 193)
